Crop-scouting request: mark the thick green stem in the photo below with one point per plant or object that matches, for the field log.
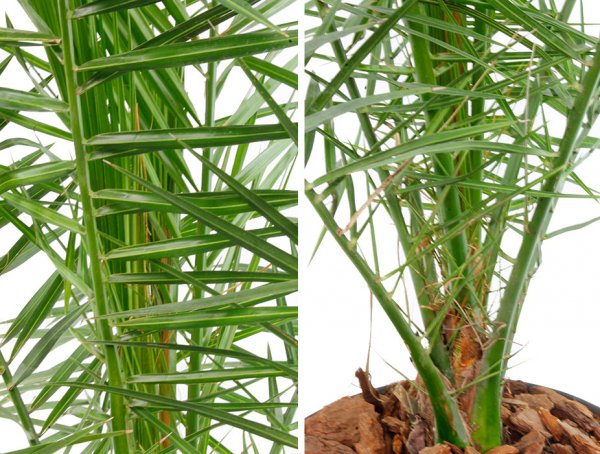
(486, 413)
(449, 424)
(17, 400)
(451, 210)
(100, 304)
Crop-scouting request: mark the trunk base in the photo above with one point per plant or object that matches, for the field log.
(536, 420)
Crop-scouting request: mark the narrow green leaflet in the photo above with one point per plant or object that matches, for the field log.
(257, 245)
(521, 16)
(273, 71)
(242, 355)
(205, 319)
(45, 345)
(220, 203)
(285, 121)
(354, 105)
(194, 52)
(414, 148)
(243, 8)
(125, 143)
(181, 32)
(254, 200)
(34, 313)
(209, 277)
(171, 435)
(181, 247)
(34, 174)
(205, 410)
(64, 372)
(41, 213)
(325, 96)
(43, 244)
(245, 298)
(63, 405)
(79, 437)
(34, 125)
(12, 37)
(208, 376)
(27, 101)
(107, 6)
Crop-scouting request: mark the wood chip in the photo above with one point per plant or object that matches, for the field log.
(576, 412)
(582, 443)
(552, 423)
(552, 395)
(561, 449)
(532, 443)
(316, 445)
(397, 444)
(527, 420)
(505, 414)
(437, 449)
(338, 421)
(397, 426)
(371, 435)
(504, 449)
(536, 401)
(514, 387)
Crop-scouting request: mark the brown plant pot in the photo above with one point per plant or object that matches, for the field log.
(536, 420)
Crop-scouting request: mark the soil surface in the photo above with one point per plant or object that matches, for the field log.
(536, 420)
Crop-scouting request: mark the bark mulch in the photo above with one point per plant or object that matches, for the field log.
(536, 420)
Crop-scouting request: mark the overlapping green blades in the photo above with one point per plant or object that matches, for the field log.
(169, 220)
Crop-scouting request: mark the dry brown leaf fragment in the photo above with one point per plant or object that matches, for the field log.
(417, 438)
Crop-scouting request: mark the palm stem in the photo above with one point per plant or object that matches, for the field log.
(451, 210)
(100, 303)
(486, 414)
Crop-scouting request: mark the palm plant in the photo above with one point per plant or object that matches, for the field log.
(158, 182)
(457, 105)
